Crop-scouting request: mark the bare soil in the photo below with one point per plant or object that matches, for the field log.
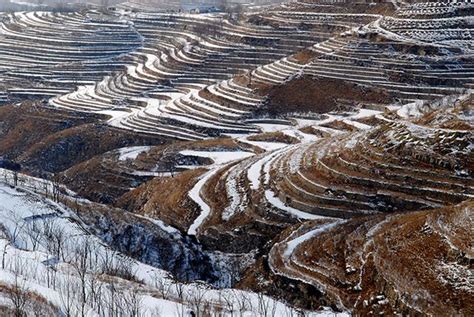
(317, 95)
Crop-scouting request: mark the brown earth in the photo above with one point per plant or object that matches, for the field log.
(411, 264)
(305, 56)
(27, 124)
(308, 94)
(48, 141)
(165, 199)
(104, 178)
(357, 7)
(274, 137)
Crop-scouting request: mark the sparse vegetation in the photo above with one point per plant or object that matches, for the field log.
(233, 158)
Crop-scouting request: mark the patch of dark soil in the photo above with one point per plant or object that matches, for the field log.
(47, 141)
(312, 94)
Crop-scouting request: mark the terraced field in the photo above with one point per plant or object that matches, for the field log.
(318, 151)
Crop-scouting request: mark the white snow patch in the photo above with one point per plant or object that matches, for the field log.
(132, 152)
(410, 110)
(276, 202)
(195, 195)
(293, 244)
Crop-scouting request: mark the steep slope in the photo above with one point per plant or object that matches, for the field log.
(400, 264)
(322, 147)
(46, 141)
(45, 270)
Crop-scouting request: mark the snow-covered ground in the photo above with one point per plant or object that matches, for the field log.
(221, 159)
(49, 252)
(131, 153)
(258, 168)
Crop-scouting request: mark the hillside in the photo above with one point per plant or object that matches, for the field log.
(415, 263)
(310, 158)
(45, 270)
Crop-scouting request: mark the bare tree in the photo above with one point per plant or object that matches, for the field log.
(179, 289)
(229, 302)
(266, 306)
(15, 178)
(34, 232)
(18, 293)
(107, 261)
(111, 299)
(180, 310)
(133, 303)
(51, 273)
(55, 237)
(4, 255)
(196, 298)
(57, 194)
(242, 301)
(161, 283)
(18, 228)
(67, 294)
(95, 290)
(39, 309)
(81, 268)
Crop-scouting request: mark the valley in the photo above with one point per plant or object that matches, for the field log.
(309, 158)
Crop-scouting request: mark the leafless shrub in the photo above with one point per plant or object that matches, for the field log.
(18, 292)
(133, 303)
(196, 299)
(162, 285)
(266, 306)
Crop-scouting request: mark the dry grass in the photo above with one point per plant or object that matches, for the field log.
(46, 140)
(307, 94)
(165, 198)
(311, 130)
(274, 137)
(222, 101)
(34, 302)
(340, 125)
(28, 124)
(305, 56)
(408, 256)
